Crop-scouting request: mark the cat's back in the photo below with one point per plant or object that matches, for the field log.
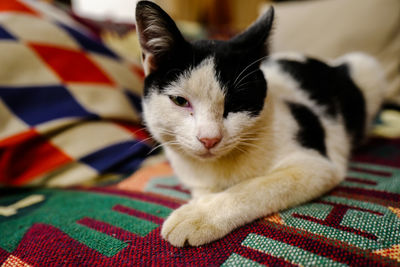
(349, 89)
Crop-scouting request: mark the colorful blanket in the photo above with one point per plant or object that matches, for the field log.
(357, 223)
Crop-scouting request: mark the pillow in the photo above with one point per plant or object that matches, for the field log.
(331, 28)
(69, 106)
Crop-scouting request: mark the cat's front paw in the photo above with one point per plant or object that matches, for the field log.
(196, 223)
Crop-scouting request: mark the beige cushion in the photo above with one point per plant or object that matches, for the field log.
(330, 28)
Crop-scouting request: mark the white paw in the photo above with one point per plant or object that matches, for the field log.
(196, 223)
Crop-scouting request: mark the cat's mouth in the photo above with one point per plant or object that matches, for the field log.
(207, 155)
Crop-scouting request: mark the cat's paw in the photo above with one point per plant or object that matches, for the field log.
(196, 223)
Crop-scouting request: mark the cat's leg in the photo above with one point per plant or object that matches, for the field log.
(298, 178)
(200, 192)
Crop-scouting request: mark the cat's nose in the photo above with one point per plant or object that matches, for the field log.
(210, 142)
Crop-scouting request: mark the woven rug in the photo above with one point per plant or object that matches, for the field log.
(357, 223)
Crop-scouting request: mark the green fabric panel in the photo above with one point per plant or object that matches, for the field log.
(290, 253)
(365, 221)
(67, 207)
(101, 242)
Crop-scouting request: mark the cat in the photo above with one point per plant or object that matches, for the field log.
(248, 132)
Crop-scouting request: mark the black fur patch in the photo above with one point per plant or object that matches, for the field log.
(239, 73)
(247, 94)
(333, 88)
(311, 134)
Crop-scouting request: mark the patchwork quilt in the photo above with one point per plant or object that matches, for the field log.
(69, 106)
(71, 192)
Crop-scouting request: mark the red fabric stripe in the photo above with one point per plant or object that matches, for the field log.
(361, 181)
(344, 208)
(16, 6)
(25, 156)
(261, 257)
(369, 192)
(138, 214)
(178, 188)
(60, 59)
(379, 173)
(138, 71)
(108, 229)
(3, 256)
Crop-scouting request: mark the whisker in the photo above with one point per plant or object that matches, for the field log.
(140, 129)
(140, 142)
(154, 148)
(248, 66)
(144, 140)
(241, 150)
(247, 75)
(161, 145)
(250, 145)
(249, 139)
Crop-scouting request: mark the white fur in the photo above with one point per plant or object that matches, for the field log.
(258, 167)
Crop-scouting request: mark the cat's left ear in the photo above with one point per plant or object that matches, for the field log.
(256, 36)
(158, 34)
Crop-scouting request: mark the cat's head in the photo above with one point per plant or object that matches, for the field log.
(201, 98)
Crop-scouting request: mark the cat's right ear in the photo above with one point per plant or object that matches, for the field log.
(255, 37)
(158, 34)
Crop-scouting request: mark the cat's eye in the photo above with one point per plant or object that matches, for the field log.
(180, 101)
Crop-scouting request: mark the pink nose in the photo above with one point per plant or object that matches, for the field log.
(210, 142)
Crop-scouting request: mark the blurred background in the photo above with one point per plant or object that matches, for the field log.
(235, 14)
(114, 20)
(321, 28)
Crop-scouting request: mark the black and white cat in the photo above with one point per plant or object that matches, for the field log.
(249, 133)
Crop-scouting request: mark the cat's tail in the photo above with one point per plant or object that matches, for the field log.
(369, 76)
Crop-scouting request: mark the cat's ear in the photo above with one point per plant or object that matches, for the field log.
(256, 36)
(158, 34)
